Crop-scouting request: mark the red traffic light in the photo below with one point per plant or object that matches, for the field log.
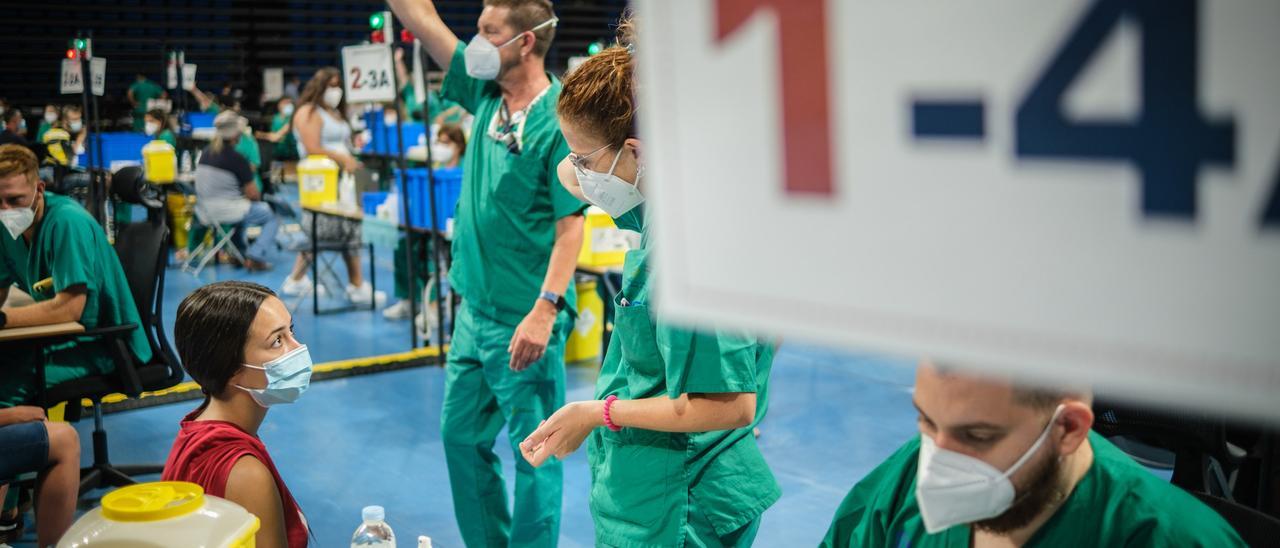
(406, 36)
(376, 37)
(71, 53)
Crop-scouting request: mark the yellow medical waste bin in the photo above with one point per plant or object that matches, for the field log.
(318, 181)
(159, 162)
(584, 342)
(603, 243)
(160, 514)
(179, 206)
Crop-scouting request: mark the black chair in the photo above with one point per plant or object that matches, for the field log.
(141, 248)
(1256, 528)
(1203, 457)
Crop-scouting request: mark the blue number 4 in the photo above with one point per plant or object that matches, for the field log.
(1169, 141)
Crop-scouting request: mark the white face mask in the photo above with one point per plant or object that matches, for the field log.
(441, 152)
(389, 118)
(151, 128)
(50, 117)
(76, 126)
(18, 220)
(483, 60)
(333, 97)
(287, 110)
(609, 192)
(953, 488)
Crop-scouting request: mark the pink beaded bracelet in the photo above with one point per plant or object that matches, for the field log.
(608, 421)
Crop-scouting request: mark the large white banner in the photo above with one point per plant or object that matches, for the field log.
(1073, 191)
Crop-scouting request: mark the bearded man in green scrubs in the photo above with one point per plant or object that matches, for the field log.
(517, 234)
(51, 248)
(997, 464)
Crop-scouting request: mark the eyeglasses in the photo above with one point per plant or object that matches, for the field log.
(580, 162)
(505, 128)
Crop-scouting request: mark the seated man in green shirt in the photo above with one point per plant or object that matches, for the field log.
(51, 248)
(997, 464)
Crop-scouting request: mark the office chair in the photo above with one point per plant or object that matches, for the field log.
(141, 248)
(1256, 528)
(1203, 458)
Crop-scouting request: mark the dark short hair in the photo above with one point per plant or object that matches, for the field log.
(211, 329)
(523, 15)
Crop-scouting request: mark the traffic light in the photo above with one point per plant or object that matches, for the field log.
(380, 27)
(76, 48)
(595, 47)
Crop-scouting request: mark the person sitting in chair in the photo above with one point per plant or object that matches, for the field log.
(51, 248)
(226, 192)
(236, 341)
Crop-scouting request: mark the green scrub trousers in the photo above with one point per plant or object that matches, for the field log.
(481, 395)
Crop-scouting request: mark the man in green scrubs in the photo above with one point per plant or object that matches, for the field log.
(517, 234)
(1073, 488)
(51, 248)
(141, 91)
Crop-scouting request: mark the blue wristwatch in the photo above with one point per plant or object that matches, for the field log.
(553, 298)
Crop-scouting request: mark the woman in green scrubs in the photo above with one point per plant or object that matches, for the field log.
(673, 459)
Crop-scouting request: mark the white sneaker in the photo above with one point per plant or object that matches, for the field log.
(365, 294)
(398, 311)
(300, 287)
(426, 323)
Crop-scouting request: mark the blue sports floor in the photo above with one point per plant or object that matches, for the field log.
(375, 439)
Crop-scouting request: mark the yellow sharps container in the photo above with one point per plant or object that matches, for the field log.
(588, 332)
(163, 514)
(159, 162)
(318, 181)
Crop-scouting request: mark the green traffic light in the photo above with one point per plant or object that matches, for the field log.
(80, 44)
(376, 21)
(594, 48)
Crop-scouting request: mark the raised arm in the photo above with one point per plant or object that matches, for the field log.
(422, 19)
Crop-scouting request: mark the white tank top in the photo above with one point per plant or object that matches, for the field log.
(335, 134)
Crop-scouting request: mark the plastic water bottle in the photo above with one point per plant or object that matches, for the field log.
(374, 532)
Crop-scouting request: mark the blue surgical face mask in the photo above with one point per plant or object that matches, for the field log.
(287, 378)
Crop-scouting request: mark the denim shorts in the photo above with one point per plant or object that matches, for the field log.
(23, 448)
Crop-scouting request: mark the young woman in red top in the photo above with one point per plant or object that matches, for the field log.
(236, 341)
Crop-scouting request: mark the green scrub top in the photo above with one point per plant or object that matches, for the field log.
(435, 104)
(168, 137)
(505, 223)
(144, 91)
(644, 482)
(213, 108)
(288, 146)
(70, 247)
(247, 146)
(44, 127)
(1116, 503)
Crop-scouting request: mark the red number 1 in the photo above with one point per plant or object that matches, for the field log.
(806, 109)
